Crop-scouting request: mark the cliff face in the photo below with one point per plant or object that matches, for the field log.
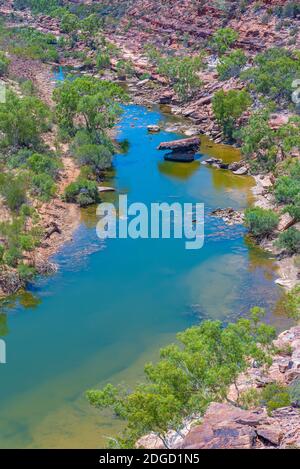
(172, 24)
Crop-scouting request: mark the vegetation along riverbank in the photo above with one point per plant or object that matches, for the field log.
(233, 70)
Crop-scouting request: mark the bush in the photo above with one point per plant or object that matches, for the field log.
(98, 157)
(286, 189)
(222, 39)
(290, 241)
(231, 65)
(260, 222)
(18, 159)
(88, 104)
(228, 107)
(273, 73)
(89, 153)
(182, 73)
(191, 373)
(43, 186)
(102, 60)
(28, 88)
(17, 239)
(33, 44)
(258, 140)
(23, 120)
(12, 256)
(294, 208)
(274, 396)
(13, 189)
(294, 392)
(4, 63)
(69, 23)
(39, 163)
(124, 69)
(82, 192)
(291, 10)
(38, 6)
(26, 273)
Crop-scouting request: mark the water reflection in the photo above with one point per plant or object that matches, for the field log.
(225, 152)
(3, 325)
(237, 186)
(182, 171)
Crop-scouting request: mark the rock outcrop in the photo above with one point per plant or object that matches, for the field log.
(226, 426)
(185, 145)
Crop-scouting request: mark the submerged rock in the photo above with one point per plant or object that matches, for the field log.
(229, 216)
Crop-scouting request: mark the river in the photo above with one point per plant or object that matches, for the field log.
(113, 304)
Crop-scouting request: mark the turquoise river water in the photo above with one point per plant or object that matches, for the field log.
(113, 304)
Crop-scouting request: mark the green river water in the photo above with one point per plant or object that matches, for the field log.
(113, 304)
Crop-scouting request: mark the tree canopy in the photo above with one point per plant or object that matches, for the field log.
(191, 373)
(89, 104)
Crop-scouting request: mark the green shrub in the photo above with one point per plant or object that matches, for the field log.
(290, 240)
(88, 104)
(19, 158)
(223, 39)
(124, 69)
(82, 191)
(291, 10)
(228, 107)
(249, 399)
(17, 238)
(69, 23)
(13, 189)
(23, 120)
(26, 272)
(273, 73)
(292, 303)
(182, 73)
(274, 396)
(33, 44)
(98, 157)
(38, 6)
(2, 251)
(39, 163)
(294, 392)
(294, 208)
(12, 256)
(28, 88)
(102, 60)
(260, 222)
(231, 64)
(90, 153)
(43, 186)
(191, 373)
(286, 189)
(4, 63)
